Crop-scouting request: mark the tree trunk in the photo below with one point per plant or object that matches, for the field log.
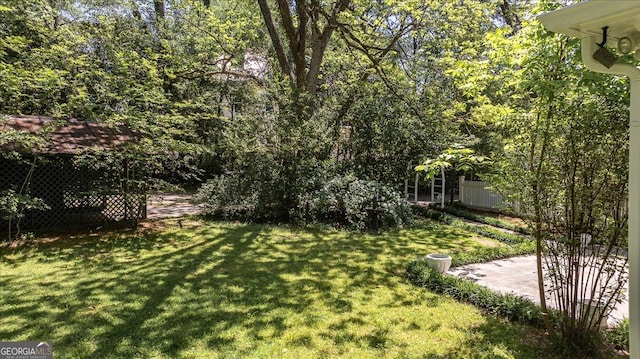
(281, 55)
(158, 7)
(539, 217)
(302, 73)
(510, 16)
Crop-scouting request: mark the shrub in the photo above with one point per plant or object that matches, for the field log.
(347, 200)
(341, 200)
(263, 188)
(13, 207)
(492, 233)
(226, 196)
(619, 335)
(427, 212)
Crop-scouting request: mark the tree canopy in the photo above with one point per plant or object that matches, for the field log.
(287, 94)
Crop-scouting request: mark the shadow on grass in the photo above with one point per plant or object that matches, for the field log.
(498, 339)
(226, 287)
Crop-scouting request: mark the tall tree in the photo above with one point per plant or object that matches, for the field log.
(302, 21)
(301, 32)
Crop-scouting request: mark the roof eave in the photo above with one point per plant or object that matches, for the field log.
(587, 18)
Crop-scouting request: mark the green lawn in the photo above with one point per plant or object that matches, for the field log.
(218, 290)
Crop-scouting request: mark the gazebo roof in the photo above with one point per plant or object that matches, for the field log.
(73, 135)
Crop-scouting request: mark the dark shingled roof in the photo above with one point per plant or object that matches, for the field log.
(73, 135)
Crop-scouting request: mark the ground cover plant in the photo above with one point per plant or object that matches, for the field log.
(508, 305)
(512, 244)
(614, 344)
(216, 290)
(492, 219)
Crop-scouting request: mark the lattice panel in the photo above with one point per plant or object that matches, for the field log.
(76, 195)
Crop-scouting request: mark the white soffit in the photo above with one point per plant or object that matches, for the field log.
(589, 17)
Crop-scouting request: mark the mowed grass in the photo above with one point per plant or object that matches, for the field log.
(221, 290)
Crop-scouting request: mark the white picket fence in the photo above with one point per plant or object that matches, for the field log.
(476, 194)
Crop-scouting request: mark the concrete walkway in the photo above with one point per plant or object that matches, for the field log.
(518, 275)
(170, 206)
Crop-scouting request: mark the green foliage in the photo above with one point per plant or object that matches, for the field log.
(345, 201)
(379, 138)
(459, 211)
(215, 290)
(515, 244)
(485, 255)
(619, 335)
(427, 212)
(14, 204)
(179, 77)
(494, 233)
(271, 159)
(454, 161)
(458, 159)
(563, 181)
(255, 193)
(233, 197)
(486, 231)
(506, 305)
(356, 203)
(14, 143)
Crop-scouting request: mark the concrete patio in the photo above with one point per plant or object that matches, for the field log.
(518, 275)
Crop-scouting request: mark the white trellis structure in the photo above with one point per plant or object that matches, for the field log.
(437, 188)
(411, 189)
